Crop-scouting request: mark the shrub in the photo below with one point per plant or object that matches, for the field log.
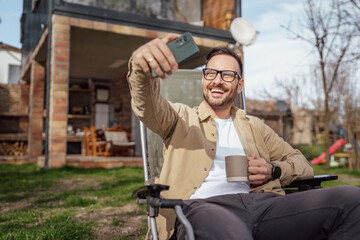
(309, 151)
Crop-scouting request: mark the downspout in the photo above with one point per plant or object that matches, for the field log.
(48, 75)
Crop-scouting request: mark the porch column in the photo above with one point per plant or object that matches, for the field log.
(36, 104)
(24, 106)
(59, 90)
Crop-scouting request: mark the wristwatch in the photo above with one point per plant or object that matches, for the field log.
(276, 171)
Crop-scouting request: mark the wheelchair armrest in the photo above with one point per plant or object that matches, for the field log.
(310, 183)
(152, 190)
(150, 195)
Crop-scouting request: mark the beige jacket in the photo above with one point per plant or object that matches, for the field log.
(189, 136)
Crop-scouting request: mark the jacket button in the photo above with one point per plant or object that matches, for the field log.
(205, 169)
(212, 134)
(212, 149)
(195, 187)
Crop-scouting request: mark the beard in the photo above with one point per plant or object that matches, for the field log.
(219, 103)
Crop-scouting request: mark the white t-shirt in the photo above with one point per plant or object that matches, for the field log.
(228, 143)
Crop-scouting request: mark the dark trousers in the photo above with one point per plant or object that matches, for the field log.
(328, 213)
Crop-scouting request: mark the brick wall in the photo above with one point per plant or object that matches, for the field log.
(37, 82)
(9, 98)
(24, 98)
(59, 90)
(11, 102)
(24, 107)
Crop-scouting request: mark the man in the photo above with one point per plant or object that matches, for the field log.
(196, 141)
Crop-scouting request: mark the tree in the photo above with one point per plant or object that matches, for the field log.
(331, 29)
(350, 118)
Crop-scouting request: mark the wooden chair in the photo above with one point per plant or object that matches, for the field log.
(119, 142)
(93, 147)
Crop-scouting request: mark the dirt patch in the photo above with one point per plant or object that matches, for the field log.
(113, 223)
(12, 206)
(79, 183)
(61, 185)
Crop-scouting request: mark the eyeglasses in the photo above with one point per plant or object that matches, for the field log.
(226, 75)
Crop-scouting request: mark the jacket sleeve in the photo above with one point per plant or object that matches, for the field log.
(291, 161)
(148, 105)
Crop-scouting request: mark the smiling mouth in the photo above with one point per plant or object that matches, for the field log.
(217, 92)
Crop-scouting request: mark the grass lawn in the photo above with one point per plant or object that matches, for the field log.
(345, 176)
(71, 203)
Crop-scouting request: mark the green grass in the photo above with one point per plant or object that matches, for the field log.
(320, 169)
(67, 203)
(77, 201)
(117, 222)
(73, 203)
(24, 167)
(346, 176)
(58, 226)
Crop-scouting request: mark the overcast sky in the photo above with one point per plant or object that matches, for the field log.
(274, 54)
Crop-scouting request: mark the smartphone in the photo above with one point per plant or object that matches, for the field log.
(183, 48)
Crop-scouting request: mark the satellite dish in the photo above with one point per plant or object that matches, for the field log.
(243, 31)
(281, 106)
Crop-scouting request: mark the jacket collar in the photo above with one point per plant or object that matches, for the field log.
(204, 113)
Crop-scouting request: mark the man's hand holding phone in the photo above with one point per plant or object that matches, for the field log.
(156, 55)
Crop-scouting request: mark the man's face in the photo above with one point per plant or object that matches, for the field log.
(217, 93)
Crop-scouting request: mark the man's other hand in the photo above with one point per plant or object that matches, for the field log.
(156, 55)
(260, 171)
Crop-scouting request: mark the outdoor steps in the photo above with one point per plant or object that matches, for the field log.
(102, 162)
(15, 160)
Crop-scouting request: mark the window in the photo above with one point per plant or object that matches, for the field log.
(14, 74)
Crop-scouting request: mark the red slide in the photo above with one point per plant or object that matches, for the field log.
(321, 159)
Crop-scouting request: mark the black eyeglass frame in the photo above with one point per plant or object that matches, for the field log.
(217, 72)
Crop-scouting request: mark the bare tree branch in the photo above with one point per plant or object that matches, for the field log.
(333, 33)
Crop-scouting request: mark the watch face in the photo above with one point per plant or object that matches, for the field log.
(277, 171)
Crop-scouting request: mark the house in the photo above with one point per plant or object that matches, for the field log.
(276, 114)
(75, 68)
(13, 102)
(297, 126)
(10, 61)
(303, 126)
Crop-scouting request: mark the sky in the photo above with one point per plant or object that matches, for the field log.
(274, 55)
(10, 13)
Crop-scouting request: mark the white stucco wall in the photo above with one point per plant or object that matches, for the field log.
(8, 57)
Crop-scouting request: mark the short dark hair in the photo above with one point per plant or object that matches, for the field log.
(224, 51)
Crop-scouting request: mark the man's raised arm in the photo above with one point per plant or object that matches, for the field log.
(148, 105)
